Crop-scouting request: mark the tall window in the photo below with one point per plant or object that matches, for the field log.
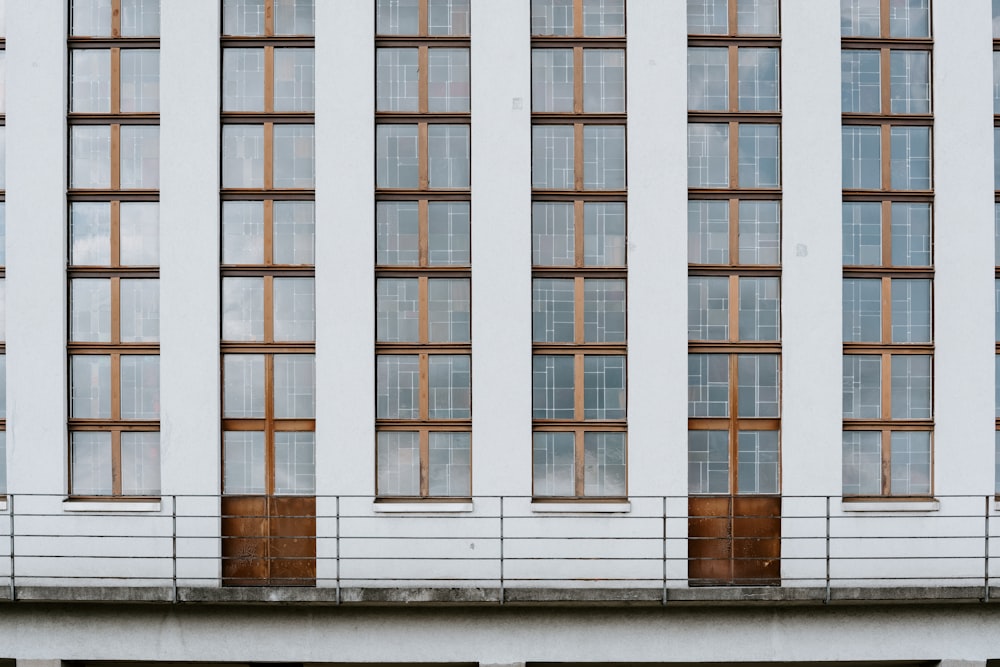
(3, 249)
(734, 247)
(996, 186)
(579, 379)
(268, 232)
(114, 297)
(423, 338)
(888, 262)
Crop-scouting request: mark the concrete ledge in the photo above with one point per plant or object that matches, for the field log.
(92, 594)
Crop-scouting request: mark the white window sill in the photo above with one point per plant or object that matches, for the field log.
(623, 507)
(421, 508)
(928, 505)
(110, 506)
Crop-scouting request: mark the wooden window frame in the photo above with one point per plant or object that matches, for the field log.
(883, 25)
(546, 43)
(732, 32)
(578, 29)
(423, 29)
(267, 114)
(268, 26)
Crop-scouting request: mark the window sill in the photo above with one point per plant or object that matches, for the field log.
(886, 505)
(111, 506)
(382, 507)
(617, 507)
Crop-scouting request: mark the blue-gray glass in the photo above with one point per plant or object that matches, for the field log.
(911, 234)
(552, 387)
(862, 157)
(708, 385)
(909, 18)
(859, 18)
(448, 156)
(294, 17)
(397, 310)
(860, 81)
(862, 463)
(757, 17)
(552, 157)
(140, 18)
(603, 80)
(449, 386)
(603, 18)
(759, 232)
(707, 17)
(604, 157)
(760, 308)
(603, 233)
(604, 470)
(708, 232)
(758, 388)
(553, 464)
(910, 165)
(996, 393)
(243, 17)
(448, 310)
(996, 158)
(604, 386)
(708, 155)
(758, 72)
(398, 233)
(862, 233)
(996, 34)
(550, 17)
(862, 319)
(759, 156)
(996, 233)
(708, 308)
(552, 310)
(996, 308)
(552, 80)
(447, 80)
(909, 81)
(708, 78)
(448, 17)
(862, 386)
(708, 462)
(397, 17)
(396, 156)
(911, 310)
(996, 438)
(996, 77)
(911, 463)
(603, 310)
(448, 241)
(911, 386)
(294, 79)
(757, 462)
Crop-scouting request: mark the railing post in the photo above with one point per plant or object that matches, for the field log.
(336, 505)
(501, 552)
(10, 511)
(664, 601)
(827, 598)
(173, 540)
(986, 547)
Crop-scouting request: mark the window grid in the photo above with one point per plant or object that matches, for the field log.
(888, 266)
(579, 293)
(112, 272)
(423, 271)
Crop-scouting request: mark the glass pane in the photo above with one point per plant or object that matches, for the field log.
(859, 18)
(603, 311)
(243, 309)
(140, 388)
(604, 386)
(757, 462)
(448, 305)
(90, 81)
(243, 462)
(294, 156)
(396, 156)
(911, 463)
(708, 308)
(3, 230)
(757, 17)
(140, 310)
(243, 156)
(398, 463)
(3, 310)
(604, 469)
(398, 380)
(862, 463)
(708, 232)
(243, 17)
(996, 71)
(447, 80)
(911, 158)
(397, 17)
(294, 309)
(552, 157)
(552, 387)
(862, 157)
(707, 17)
(760, 308)
(397, 80)
(603, 157)
(910, 81)
(758, 385)
(3, 463)
(294, 80)
(862, 310)
(293, 230)
(3, 71)
(759, 156)
(90, 233)
(448, 241)
(90, 386)
(90, 299)
(603, 234)
(294, 386)
(140, 156)
(448, 156)
(708, 78)
(553, 464)
(759, 79)
(552, 310)
(398, 233)
(552, 234)
(140, 18)
(708, 155)
(996, 439)
(140, 84)
(243, 395)
(448, 17)
(996, 27)
(449, 391)
(552, 80)
(243, 79)
(91, 18)
(911, 234)
(449, 464)
(708, 385)
(909, 18)
(759, 232)
(552, 17)
(708, 462)
(996, 393)
(3, 398)
(90, 154)
(140, 463)
(862, 386)
(91, 463)
(911, 386)
(911, 311)
(139, 232)
(242, 232)
(862, 233)
(294, 17)
(398, 310)
(295, 463)
(861, 81)
(603, 80)
(603, 18)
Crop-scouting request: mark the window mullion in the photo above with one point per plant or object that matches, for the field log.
(734, 84)
(116, 80)
(577, 79)
(116, 462)
(268, 155)
(578, 462)
(578, 313)
(578, 388)
(734, 163)
(268, 79)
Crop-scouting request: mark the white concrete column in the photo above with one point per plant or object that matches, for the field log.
(963, 249)
(345, 248)
(36, 247)
(501, 248)
(811, 256)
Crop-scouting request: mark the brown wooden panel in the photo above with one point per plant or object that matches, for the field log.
(709, 541)
(244, 541)
(292, 544)
(734, 541)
